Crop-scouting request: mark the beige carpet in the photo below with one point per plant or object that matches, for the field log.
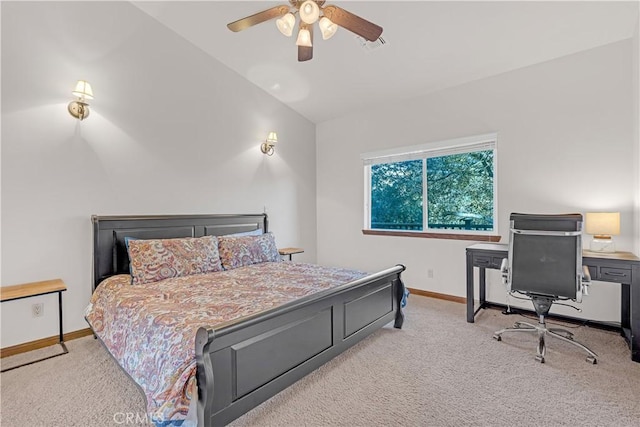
(437, 371)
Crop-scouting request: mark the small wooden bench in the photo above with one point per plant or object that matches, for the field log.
(33, 289)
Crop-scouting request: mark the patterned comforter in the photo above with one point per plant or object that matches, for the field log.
(150, 328)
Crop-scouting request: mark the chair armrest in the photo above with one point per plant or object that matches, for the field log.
(504, 270)
(586, 279)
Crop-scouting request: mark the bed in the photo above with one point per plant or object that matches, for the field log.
(243, 361)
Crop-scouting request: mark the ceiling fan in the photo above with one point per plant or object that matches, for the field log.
(310, 11)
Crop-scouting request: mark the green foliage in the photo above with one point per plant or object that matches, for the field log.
(396, 195)
(460, 188)
(459, 192)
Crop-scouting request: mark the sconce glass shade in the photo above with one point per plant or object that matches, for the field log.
(79, 108)
(83, 90)
(304, 38)
(272, 138)
(327, 28)
(286, 24)
(602, 225)
(309, 12)
(267, 147)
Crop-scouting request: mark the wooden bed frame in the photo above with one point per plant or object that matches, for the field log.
(244, 362)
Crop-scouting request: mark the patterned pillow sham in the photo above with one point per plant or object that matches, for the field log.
(158, 259)
(246, 250)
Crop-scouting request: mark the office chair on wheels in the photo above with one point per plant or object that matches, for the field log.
(545, 264)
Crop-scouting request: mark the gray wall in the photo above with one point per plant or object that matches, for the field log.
(565, 144)
(171, 131)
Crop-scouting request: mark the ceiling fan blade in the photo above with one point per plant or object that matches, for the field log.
(305, 53)
(265, 15)
(353, 23)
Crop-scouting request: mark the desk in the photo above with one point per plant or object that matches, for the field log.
(618, 267)
(28, 290)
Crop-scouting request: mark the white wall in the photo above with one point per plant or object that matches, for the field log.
(635, 49)
(565, 143)
(171, 131)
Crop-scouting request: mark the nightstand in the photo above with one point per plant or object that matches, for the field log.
(290, 251)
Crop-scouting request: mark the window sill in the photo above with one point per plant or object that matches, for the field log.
(425, 235)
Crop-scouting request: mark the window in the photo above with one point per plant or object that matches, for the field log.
(444, 187)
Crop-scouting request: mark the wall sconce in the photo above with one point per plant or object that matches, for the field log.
(267, 147)
(602, 225)
(79, 108)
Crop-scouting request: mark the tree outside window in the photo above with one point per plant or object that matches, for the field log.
(396, 195)
(460, 191)
(458, 188)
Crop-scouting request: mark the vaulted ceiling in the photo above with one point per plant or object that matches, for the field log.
(428, 46)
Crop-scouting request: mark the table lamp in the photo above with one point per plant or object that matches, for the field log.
(602, 225)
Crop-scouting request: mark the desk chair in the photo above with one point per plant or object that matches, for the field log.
(545, 264)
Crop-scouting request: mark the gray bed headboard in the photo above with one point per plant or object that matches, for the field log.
(109, 251)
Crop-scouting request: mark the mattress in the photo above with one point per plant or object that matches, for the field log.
(150, 328)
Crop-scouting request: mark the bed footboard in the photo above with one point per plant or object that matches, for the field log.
(243, 363)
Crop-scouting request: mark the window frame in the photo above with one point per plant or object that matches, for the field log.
(423, 152)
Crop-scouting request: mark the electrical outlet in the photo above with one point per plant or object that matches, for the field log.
(430, 273)
(37, 309)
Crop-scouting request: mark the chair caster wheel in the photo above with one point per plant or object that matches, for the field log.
(497, 337)
(592, 360)
(540, 359)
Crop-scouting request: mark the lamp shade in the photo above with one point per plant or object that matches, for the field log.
(309, 12)
(327, 28)
(602, 223)
(272, 138)
(286, 24)
(83, 90)
(304, 38)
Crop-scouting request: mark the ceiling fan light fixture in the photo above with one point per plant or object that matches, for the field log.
(304, 38)
(286, 24)
(309, 12)
(327, 28)
(328, 17)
